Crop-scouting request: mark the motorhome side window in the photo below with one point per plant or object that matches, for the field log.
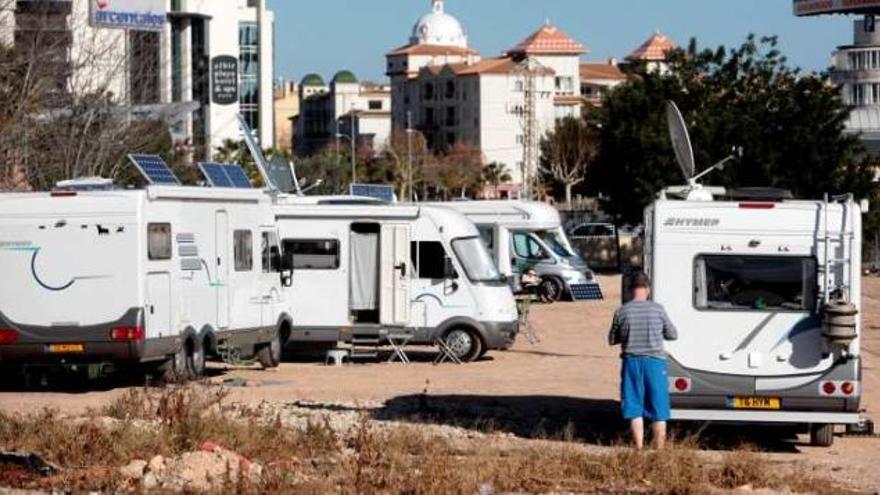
(429, 260)
(755, 283)
(244, 250)
(159, 241)
(271, 253)
(313, 254)
(525, 246)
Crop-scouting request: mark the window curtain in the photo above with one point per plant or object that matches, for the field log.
(364, 274)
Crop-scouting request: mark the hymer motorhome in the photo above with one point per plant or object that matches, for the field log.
(766, 294)
(527, 234)
(363, 269)
(165, 276)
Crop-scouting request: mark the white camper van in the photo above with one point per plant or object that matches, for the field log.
(162, 276)
(526, 234)
(760, 291)
(363, 269)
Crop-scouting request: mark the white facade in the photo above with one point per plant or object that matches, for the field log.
(168, 74)
(857, 66)
(330, 110)
(445, 89)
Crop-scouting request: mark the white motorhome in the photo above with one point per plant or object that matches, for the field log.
(162, 276)
(527, 234)
(754, 287)
(363, 269)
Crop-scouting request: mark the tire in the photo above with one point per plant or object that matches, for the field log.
(822, 435)
(195, 361)
(553, 288)
(465, 344)
(174, 369)
(269, 355)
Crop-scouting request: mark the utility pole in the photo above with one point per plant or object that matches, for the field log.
(353, 149)
(528, 69)
(409, 168)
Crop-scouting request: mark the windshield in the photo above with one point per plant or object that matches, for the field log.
(757, 283)
(552, 240)
(476, 260)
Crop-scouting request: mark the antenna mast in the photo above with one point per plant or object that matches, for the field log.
(528, 68)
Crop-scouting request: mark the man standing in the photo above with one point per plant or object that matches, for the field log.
(640, 327)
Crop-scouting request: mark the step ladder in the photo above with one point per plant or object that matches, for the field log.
(836, 270)
(365, 344)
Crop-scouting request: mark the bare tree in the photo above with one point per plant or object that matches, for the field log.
(568, 151)
(398, 149)
(67, 96)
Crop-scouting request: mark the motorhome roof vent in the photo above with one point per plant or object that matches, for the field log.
(759, 194)
(85, 184)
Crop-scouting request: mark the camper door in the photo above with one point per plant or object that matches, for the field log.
(395, 274)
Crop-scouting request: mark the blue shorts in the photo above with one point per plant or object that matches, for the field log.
(644, 388)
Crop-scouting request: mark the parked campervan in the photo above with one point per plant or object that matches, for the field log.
(163, 276)
(766, 296)
(363, 269)
(526, 234)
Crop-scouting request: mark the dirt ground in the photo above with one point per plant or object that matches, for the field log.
(567, 383)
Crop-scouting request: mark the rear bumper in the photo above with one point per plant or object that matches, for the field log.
(711, 397)
(34, 344)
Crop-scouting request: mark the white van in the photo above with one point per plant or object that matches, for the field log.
(163, 276)
(752, 286)
(362, 270)
(527, 234)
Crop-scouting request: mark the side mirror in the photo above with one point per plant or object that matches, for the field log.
(449, 270)
(287, 278)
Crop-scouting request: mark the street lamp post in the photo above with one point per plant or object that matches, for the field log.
(353, 141)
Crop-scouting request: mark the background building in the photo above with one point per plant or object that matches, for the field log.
(286, 114)
(195, 64)
(345, 107)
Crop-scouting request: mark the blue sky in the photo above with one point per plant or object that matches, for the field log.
(327, 35)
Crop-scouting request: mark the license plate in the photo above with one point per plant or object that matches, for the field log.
(764, 403)
(67, 348)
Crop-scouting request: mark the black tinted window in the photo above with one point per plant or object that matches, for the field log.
(313, 254)
(762, 283)
(429, 260)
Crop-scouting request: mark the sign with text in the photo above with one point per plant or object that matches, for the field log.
(224, 80)
(814, 7)
(136, 15)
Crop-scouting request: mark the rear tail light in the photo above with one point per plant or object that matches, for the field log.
(839, 389)
(127, 334)
(829, 388)
(680, 385)
(8, 336)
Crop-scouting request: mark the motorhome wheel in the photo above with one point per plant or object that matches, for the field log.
(553, 288)
(174, 369)
(269, 354)
(465, 344)
(822, 435)
(195, 361)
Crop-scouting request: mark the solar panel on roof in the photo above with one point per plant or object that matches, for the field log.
(377, 191)
(237, 176)
(154, 169)
(215, 174)
(587, 292)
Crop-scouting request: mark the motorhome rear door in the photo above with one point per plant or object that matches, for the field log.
(395, 274)
(221, 282)
(158, 305)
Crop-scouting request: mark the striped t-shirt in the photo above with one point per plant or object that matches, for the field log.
(640, 327)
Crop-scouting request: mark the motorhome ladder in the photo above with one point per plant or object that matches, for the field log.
(842, 243)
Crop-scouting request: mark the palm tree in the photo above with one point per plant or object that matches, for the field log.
(496, 173)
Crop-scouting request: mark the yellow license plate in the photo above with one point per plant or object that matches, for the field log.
(763, 403)
(66, 348)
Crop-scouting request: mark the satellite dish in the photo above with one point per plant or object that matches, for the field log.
(681, 141)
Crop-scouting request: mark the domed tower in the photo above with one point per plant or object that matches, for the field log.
(437, 39)
(438, 28)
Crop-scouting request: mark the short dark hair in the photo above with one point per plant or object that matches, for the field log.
(640, 280)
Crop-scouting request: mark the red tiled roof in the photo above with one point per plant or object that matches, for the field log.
(432, 50)
(653, 50)
(549, 40)
(603, 71)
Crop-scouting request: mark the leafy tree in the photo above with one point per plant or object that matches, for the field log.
(568, 151)
(789, 124)
(496, 174)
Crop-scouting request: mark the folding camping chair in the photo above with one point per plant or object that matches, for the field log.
(398, 343)
(524, 308)
(445, 353)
